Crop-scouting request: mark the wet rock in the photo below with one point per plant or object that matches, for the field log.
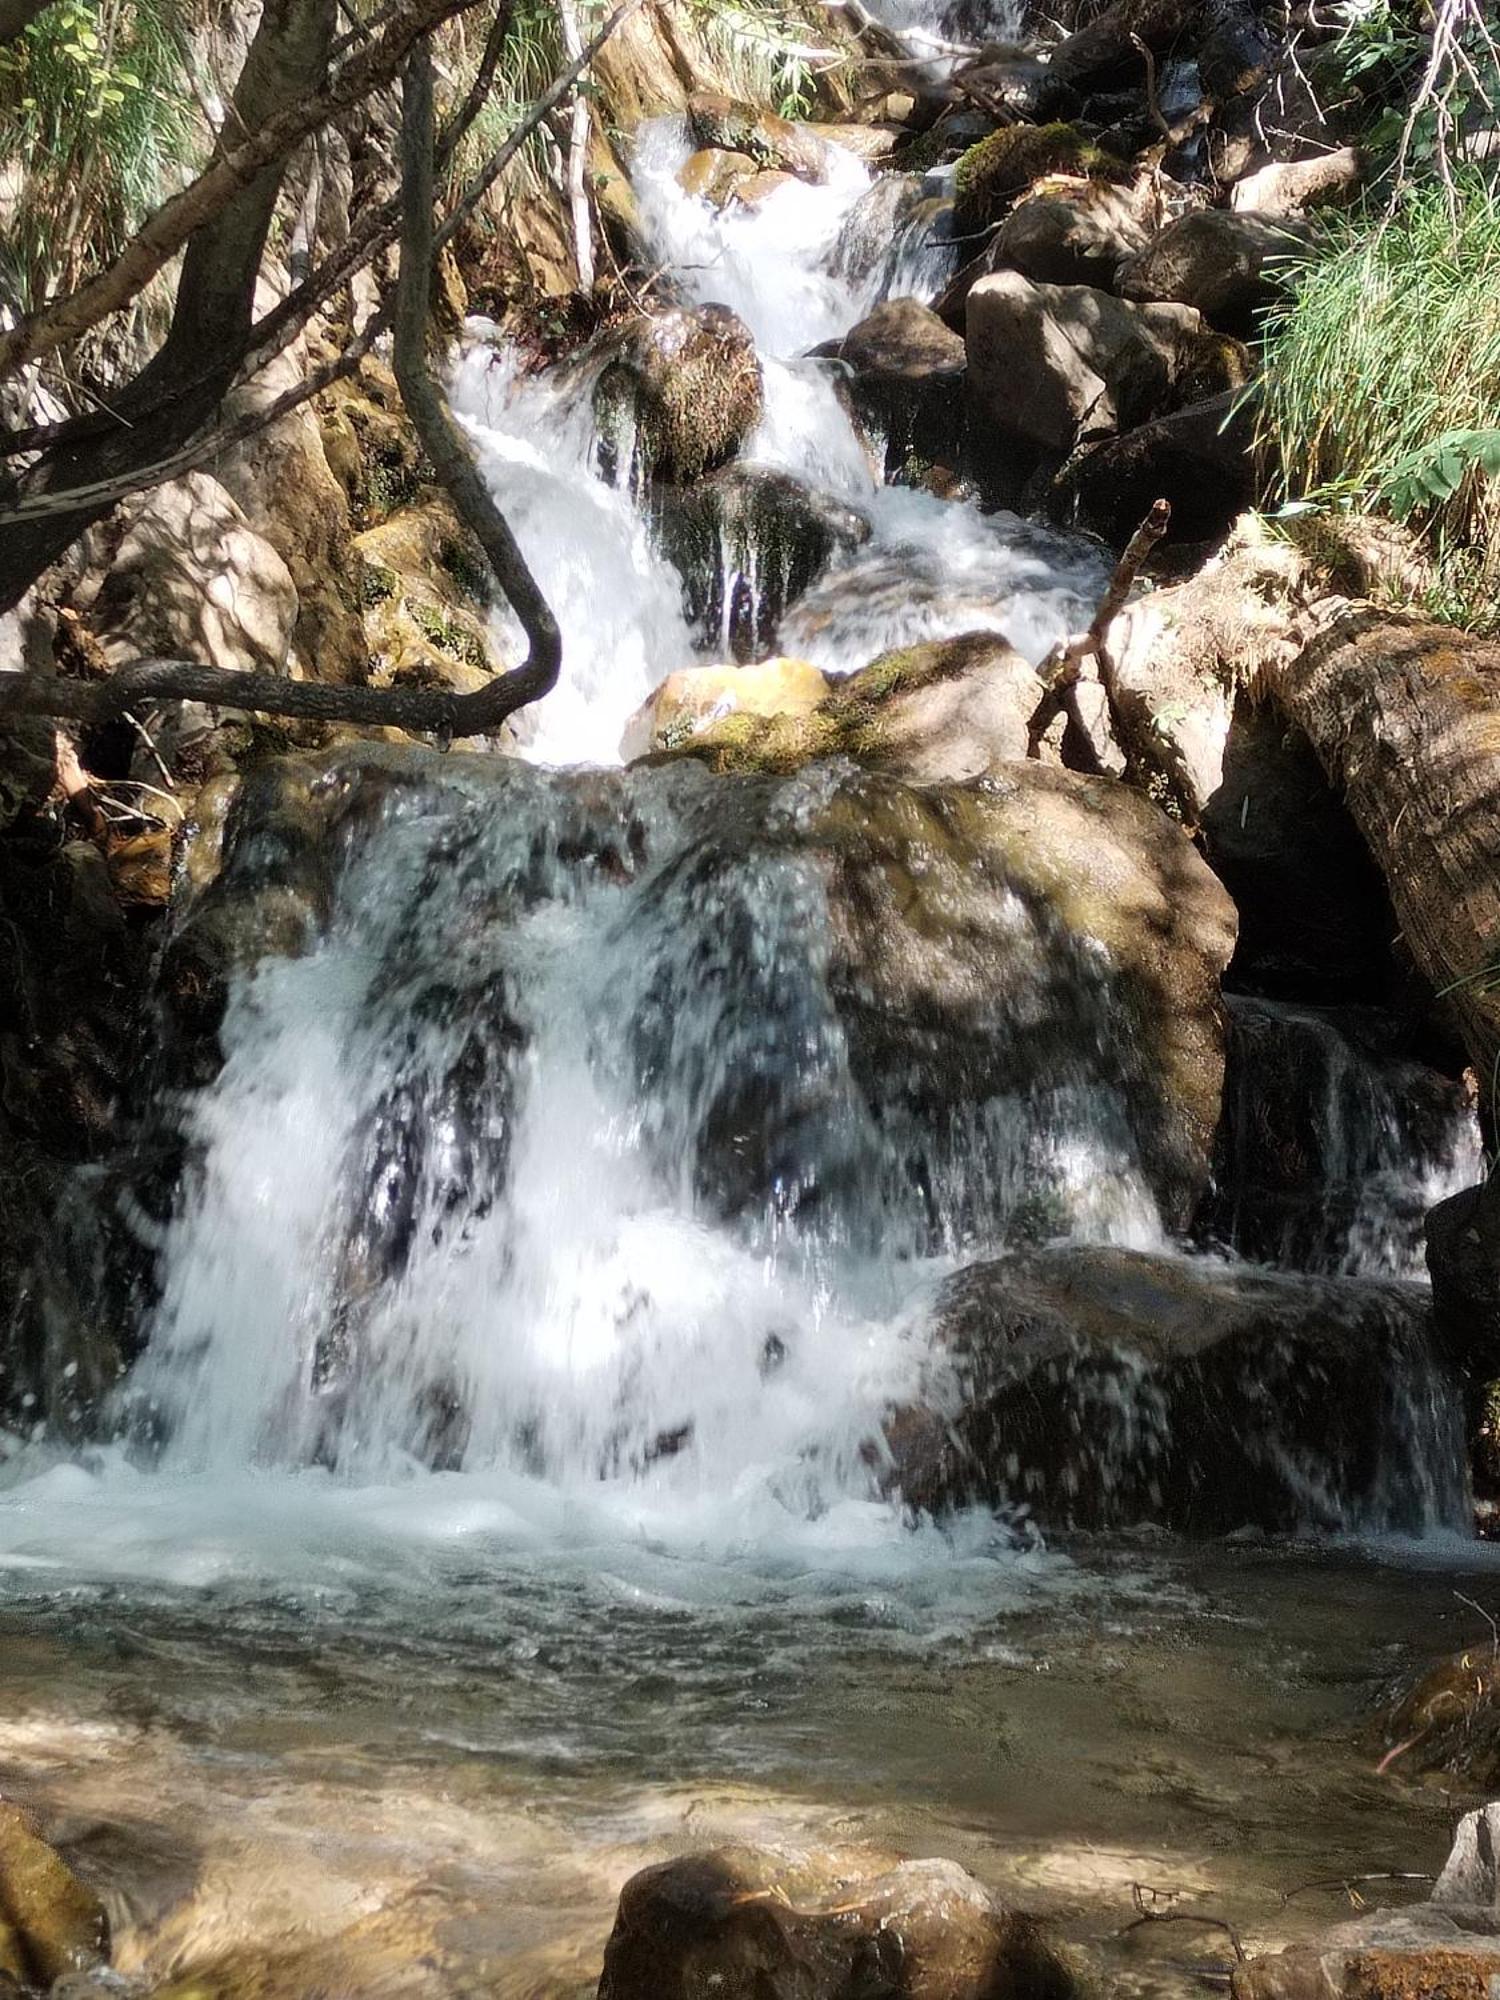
(50, 1924)
(1334, 1138)
(766, 139)
(781, 1924)
(28, 766)
(945, 710)
(696, 698)
(1198, 458)
(679, 394)
(713, 174)
(1048, 362)
(761, 186)
(994, 171)
(1102, 1387)
(747, 542)
(1222, 262)
(1448, 1721)
(907, 377)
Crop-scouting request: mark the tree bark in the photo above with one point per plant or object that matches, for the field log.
(1405, 718)
(212, 316)
(235, 167)
(428, 711)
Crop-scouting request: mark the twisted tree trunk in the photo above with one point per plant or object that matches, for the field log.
(428, 711)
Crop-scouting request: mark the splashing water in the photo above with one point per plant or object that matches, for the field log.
(539, 1204)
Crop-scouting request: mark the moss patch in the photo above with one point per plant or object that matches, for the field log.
(993, 172)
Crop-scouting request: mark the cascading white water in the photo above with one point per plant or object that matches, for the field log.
(544, 1173)
(799, 268)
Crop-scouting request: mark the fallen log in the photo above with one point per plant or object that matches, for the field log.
(1405, 718)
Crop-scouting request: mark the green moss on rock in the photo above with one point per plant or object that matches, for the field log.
(992, 172)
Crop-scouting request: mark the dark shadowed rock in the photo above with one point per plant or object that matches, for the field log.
(1102, 1387)
(1225, 264)
(1463, 1257)
(1197, 458)
(779, 1924)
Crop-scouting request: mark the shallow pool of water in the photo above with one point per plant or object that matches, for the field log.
(350, 1786)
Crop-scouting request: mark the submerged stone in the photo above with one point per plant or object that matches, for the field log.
(50, 1923)
(774, 1923)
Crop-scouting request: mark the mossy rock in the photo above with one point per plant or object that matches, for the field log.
(992, 173)
(50, 1924)
(678, 396)
(425, 588)
(946, 709)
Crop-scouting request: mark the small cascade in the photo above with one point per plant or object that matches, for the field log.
(1334, 1147)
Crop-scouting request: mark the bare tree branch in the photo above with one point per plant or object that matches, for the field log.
(431, 711)
(166, 231)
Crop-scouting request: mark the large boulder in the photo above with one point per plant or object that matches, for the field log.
(1221, 261)
(191, 579)
(782, 1924)
(944, 710)
(1048, 362)
(923, 993)
(281, 477)
(678, 394)
(1075, 238)
(1101, 1387)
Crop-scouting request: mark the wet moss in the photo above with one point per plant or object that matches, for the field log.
(992, 172)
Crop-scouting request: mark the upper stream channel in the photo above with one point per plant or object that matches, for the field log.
(493, 1506)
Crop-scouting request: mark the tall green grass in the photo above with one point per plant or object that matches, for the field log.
(97, 118)
(1381, 385)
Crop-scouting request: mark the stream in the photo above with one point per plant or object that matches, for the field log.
(491, 1510)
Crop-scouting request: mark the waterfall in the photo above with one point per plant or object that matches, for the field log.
(551, 1177)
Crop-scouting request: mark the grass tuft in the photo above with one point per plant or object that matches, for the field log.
(1381, 387)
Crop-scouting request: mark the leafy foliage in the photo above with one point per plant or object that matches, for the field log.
(97, 112)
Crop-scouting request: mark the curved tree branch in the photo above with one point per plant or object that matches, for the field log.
(234, 167)
(428, 711)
